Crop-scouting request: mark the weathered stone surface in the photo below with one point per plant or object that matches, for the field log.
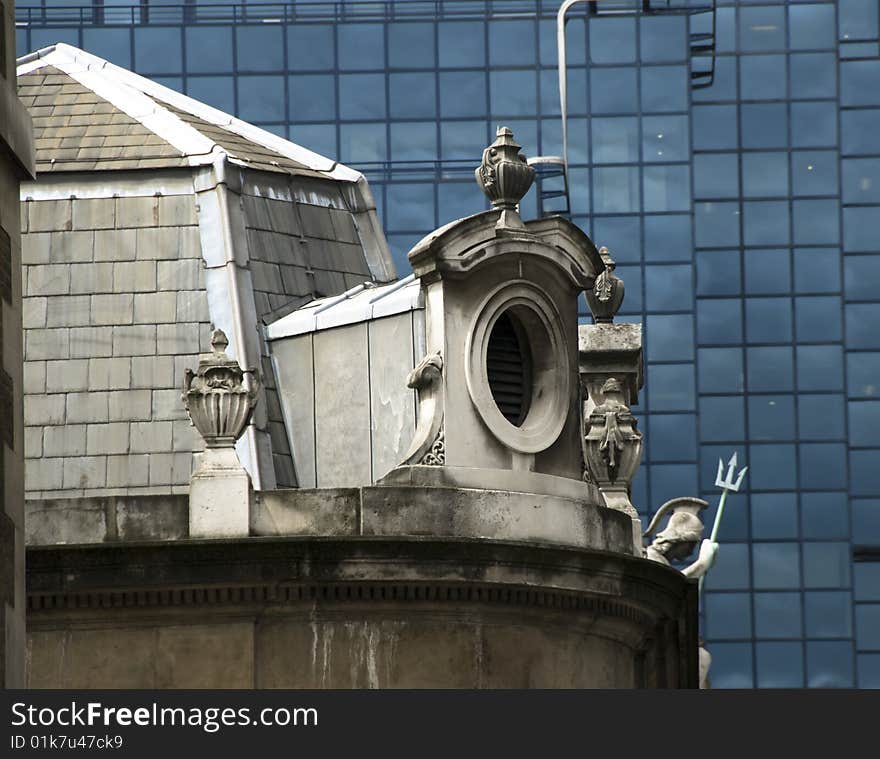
(54, 522)
(110, 373)
(85, 472)
(34, 312)
(108, 438)
(134, 276)
(96, 213)
(44, 474)
(69, 440)
(184, 274)
(153, 371)
(115, 245)
(134, 340)
(366, 614)
(91, 278)
(67, 376)
(112, 309)
(68, 311)
(129, 405)
(88, 407)
(127, 471)
(155, 308)
(176, 339)
(329, 511)
(150, 437)
(44, 409)
(35, 376)
(46, 344)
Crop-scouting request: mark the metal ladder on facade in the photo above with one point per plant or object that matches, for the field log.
(551, 172)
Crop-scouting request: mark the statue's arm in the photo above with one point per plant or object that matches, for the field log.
(704, 562)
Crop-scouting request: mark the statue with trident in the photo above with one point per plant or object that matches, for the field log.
(684, 530)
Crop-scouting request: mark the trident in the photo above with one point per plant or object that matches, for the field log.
(727, 485)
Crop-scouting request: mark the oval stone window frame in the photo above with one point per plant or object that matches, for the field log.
(551, 370)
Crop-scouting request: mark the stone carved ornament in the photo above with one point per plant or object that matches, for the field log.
(429, 445)
(504, 176)
(606, 296)
(215, 396)
(613, 445)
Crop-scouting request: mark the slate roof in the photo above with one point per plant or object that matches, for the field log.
(90, 115)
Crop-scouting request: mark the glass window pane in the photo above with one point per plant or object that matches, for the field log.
(823, 466)
(715, 127)
(774, 516)
(762, 77)
(416, 141)
(776, 565)
(828, 615)
(722, 419)
(669, 288)
(779, 665)
(716, 175)
(813, 75)
(861, 180)
(820, 367)
(764, 125)
(826, 565)
(772, 467)
(829, 664)
(863, 374)
(868, 626)
(666, 188)
(718, 272)
(312, 97)
(858, 19)
(765, 174)
(261, 98)
(821, 417)
(767, 272)
(720, 370)
(411, 45)
(860, 131)
(664, 138)
(670, 337)
(719, 322)
(858, 226)
(363, 143)
(310, 47)
(865, 473)
(771, 417)
(765, 223)
(672, 437)
(158, 50)
(867, 580)
(361, 46)
(320, 138)
(412, 96)
(612, 40)
(664, 88)
(362, 96)
(616, 190)
(112, 44)
(716, 224)
(512, 43)
(864, 423)
(761, 29)
(768, 320)
(615, 140)
(816, 270)
(824, 515)
(770, 369)
(816, 222)
(259, 48)
(812, 27)
(217, 91)
(462, 44)
(410, 205)
(463, 93)
(778, 615)
(663, 38)
(727, 615)
(861, 325)
(818, 319)
(814, 172)
(668, 238)
(731, 665)
(513, 93)
(669, 479)
(814, 125)
(621, 234)
(613, 90)
(672, 387)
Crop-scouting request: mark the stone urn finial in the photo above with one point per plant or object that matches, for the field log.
(607, 294)
(505, 177)
(215, 396)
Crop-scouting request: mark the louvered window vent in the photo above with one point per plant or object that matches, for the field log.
(509, 369)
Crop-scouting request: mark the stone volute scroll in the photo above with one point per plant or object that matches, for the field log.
(428, 445)
(219, 402)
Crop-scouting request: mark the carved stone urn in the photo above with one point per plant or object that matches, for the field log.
(606, 296)
(504, 176)
(220, 406)
(215, 397)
